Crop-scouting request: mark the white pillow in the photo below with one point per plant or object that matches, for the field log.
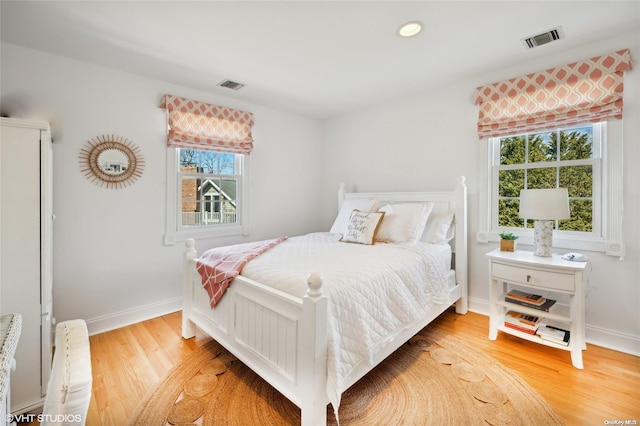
(348, 206)
(362, 227)
(403, 222)
(439, 229)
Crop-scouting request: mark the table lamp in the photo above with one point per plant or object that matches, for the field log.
(544, 206)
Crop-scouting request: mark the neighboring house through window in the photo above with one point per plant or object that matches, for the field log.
(210, 183)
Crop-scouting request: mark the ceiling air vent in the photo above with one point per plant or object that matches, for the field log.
(231, 85)
(543, 38)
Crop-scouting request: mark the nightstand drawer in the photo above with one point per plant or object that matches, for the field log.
(534, 277)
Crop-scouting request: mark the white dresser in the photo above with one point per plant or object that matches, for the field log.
(26, 253)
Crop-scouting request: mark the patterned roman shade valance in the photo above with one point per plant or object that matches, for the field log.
(198, 125)
(587, 91)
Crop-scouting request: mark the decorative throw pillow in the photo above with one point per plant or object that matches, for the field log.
(439, 229)
(362, 227)
(348, 206)
(403, 222)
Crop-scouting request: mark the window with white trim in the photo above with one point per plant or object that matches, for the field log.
(208, 149)
(206, 194)
(210, 185)
(586, 159)
(560, 158)
(514, 118)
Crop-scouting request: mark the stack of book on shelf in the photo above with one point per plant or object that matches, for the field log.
(554, 334)
(521, 322)
(529, 300)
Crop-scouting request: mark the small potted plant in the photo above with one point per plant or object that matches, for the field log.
(508, 241)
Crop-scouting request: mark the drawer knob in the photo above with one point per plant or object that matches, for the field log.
(528, 277)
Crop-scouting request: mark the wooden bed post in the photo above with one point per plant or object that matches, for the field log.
(190, 254)
(312, 366)
(462, 305)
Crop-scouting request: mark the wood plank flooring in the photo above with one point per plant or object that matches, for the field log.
(129, 362)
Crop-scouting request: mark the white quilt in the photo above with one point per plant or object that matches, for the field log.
(374, 292)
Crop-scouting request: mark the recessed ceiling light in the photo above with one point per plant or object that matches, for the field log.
(410, 29)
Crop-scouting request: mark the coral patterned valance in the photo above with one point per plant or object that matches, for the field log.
(198, 125)
(587, 91)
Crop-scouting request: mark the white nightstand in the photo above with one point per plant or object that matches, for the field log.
(548, 276)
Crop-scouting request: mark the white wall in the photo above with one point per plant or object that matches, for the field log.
(110, 264)
(423, 142)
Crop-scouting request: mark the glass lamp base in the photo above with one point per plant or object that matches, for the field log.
(542, 237)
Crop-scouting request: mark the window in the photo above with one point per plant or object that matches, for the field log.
(586, 159)
(563, 158)
(206, 194)
(210, 186)
(207, 169)
(536, 140)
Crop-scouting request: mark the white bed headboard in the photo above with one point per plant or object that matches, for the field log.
(444, 201)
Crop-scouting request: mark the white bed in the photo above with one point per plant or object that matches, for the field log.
(293, 338)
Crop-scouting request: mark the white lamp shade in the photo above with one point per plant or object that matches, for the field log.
(544, 204)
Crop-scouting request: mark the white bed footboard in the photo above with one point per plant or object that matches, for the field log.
(281, 338)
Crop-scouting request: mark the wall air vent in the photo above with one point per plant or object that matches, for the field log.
(231, 85)
(543, 38)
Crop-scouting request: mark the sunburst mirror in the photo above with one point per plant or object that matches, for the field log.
(112, 161)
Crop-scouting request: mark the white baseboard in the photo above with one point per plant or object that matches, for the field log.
(132, 316)
(31, 408)
(598, 336)
(610, 339)
(479, 306)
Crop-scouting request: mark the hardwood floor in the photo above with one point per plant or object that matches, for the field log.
(129, 362)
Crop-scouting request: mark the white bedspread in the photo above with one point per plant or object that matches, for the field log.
(374, 292)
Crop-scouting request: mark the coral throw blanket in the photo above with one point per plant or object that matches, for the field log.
(219, 266)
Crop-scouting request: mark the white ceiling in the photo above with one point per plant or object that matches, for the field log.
(317, 58)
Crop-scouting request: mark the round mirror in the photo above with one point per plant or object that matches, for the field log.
(112, 161)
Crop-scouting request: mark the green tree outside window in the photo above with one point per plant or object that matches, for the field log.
(549, 159)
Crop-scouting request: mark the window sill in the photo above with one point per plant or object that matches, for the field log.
(611, 248)
(171, 238)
